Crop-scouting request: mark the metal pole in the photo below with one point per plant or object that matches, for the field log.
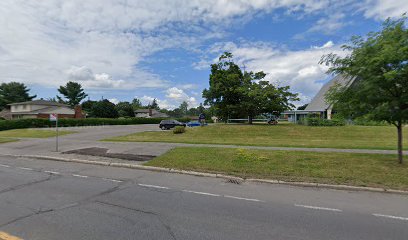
(295, 117)
(56, 126)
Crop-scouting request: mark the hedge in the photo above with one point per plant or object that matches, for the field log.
(71, 122)
(313, 121)
(366, 122)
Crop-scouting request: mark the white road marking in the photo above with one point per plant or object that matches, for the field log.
(2, 165)
(152, 186)
(52, 172)
(112, 180)
(318, 208)
(390, 216)
(25, 168)
(202, 193)
(81, 176)
(241, 198)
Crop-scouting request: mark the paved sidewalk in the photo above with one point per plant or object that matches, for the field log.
(86, 137)
(366, 151)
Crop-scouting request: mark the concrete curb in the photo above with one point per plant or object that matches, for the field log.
(215, 175)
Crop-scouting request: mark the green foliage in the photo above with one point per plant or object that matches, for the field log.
(87, 105)
(363, 121)
(153, 105)
(183, 111)
(378, 63)
(179, 130)
(236, 93)
(125, 109)
(71, 122)
(313, 121)
(103, 109)
(184, 108)
(72, 92)
(136, 104)
(14, 92)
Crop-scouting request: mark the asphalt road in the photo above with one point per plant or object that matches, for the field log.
(42, 199)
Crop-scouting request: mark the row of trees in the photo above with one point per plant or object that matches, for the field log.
(73, 94)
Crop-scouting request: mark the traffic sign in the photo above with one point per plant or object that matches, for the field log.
(53, 117)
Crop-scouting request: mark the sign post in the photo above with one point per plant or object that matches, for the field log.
(54, 118)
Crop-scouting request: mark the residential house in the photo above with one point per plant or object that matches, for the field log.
(319, 105)
(40, 109)
(150, 113)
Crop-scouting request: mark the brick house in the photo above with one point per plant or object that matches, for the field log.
(40, 109)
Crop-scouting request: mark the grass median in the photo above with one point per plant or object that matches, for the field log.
(6, 140)
(283, 135)
(373, 170)
(30, 133)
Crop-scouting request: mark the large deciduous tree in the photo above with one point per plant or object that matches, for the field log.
(103, 109)
(13, 92)
(378, 64)
(72, 92)
(237, 93)
(125, 109)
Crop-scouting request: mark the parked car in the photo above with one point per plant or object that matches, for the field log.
(195, 124)
(273, 120)
(168, 124)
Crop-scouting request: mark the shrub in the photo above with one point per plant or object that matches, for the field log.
(179, 130)
(366, 122)
(312, 121)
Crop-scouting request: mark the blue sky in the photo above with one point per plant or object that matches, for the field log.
(121, 49)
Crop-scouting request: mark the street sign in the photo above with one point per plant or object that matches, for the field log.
(53, 117)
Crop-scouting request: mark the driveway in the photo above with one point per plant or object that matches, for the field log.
(88, 137)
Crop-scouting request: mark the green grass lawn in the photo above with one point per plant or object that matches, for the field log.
(283, 135)
(30, 133)
(6, 140)
(375, 170)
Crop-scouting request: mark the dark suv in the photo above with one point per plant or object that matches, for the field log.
(167, 124)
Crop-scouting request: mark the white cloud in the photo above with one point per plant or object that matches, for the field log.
(164, 104)
(105, 40)
(328, 44)
(178, 96)
(298, 69)
(101, 43)
(114, 100)
(382, 9)
(329, 24)
(173, 98)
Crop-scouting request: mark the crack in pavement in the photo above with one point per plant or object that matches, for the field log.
(159, 217)
(50, 177)
(70, 205)
(26, 216)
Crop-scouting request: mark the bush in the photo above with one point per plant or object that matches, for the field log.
(366, 122)
(312, 121)
(179, 130)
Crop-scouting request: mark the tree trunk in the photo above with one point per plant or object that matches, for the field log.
(399, 129)
(250, 119)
